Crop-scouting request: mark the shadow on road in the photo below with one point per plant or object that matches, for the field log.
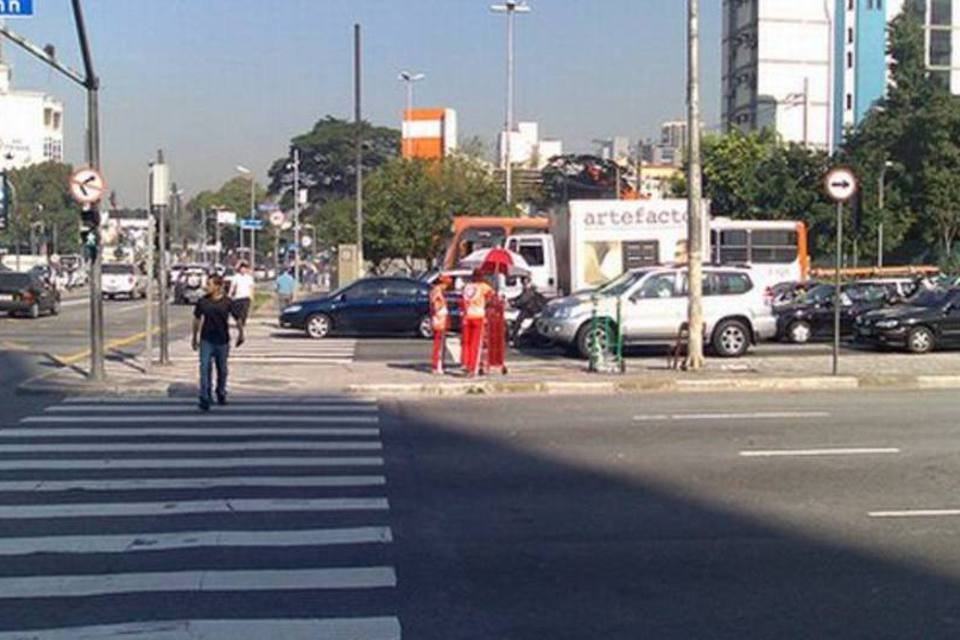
(499, 541)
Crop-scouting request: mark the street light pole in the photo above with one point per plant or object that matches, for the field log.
(358, 142)
(694, 201)
(881, 195)
(510, 7)
(409, 78)
(296, 217)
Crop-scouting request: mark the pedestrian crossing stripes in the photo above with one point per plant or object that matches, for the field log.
(139, 496)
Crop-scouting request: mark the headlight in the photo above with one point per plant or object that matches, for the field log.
(293, 308)
(887, 324)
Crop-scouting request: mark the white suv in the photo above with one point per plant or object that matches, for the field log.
(653, 306)
(123, 279)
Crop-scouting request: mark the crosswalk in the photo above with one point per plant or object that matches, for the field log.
(143, 519)
(268, 345)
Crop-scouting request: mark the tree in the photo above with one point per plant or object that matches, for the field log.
(474, 147)
(328, 160)
(233, 195)
(42, 199)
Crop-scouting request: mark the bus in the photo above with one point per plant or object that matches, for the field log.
(775, 249)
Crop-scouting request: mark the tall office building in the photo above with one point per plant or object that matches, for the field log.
(674, 134)
(941, 20)
(809, 69)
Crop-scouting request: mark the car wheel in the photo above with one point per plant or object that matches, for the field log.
(731, 339)
(318, 326)
(34, 311)
(425, 328)
(799, 332)
(920, 340)
(588, 337)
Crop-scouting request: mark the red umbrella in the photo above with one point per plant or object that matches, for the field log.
(497, 260)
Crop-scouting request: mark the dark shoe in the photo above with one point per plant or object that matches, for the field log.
(222, 399)
(204, 405)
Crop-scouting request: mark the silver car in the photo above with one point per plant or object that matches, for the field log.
(653, 306)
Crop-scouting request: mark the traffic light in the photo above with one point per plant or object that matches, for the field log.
(90, 231)
(6, 200)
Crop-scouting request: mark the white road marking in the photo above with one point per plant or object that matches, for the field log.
(384, 628)
(175, 508)
(188, 463)
(59, 586)
(199, 418)
(268, 409)
(128, 400)
(214, 482)
(915, 513)
(131, 542)
(26, 432)
(74, 303)
(776, 453)
(272, 360)
(235, 447)
(771, 415)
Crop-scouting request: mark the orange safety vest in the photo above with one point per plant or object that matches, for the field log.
(438, 308)
(475, 296)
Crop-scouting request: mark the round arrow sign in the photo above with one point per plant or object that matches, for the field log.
(277, 218)
(87, 186)
(840, 184)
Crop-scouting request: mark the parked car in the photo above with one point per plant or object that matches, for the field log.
(189, 286)
(50, 274)
(653, 307)
(123, 279)
(370, 306)
(811, 315)
(27, 294)
(927, 321)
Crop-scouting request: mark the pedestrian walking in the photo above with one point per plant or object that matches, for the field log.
(241, 291)
(440, 321)
(211, 337)
(286, 287)
(473, 305)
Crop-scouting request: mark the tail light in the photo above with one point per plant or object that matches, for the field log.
(28, 297)
(768, 296)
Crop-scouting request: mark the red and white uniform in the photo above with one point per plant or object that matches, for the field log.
(474, 306)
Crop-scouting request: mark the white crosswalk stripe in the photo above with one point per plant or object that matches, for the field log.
(137, 496)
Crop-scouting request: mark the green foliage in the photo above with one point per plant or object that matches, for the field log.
(42, 196)
(335, 221)
(233, 195)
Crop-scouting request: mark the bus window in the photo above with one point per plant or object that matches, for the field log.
(770, 246)
(733, 247)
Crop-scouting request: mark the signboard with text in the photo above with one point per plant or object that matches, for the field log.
(16, 8)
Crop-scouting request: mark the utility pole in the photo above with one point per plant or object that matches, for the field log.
(296, 217)
(694, 199)
(358, 141)
(159, 200)
(510, 7)
(148, 334)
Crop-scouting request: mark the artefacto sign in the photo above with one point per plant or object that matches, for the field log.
(16, 8)
(627, 216)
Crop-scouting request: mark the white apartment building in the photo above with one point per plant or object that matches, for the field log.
(31, 125)
(527, 149)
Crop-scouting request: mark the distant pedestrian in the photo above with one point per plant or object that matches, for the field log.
(440, 321)
(241, 292)
(211, 337)
(473, 306)
(286, 287)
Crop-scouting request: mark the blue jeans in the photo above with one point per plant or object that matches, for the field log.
(211, 353)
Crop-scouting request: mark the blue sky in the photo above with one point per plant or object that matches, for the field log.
(217, 83)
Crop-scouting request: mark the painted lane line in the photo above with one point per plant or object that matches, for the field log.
(192, 463)
(269, 409)
(779, 453)
(915, 513)
(133, 542)
(772, 415)
(384, 628)
(200, 419)
(271, 360)
(61, 586)
(236, 447)
(238, 400)
(34, 432)
(126, 509)
(214, 482)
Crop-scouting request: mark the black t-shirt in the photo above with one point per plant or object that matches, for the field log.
(216, 318)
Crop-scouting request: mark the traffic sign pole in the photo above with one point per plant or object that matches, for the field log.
(840, 185)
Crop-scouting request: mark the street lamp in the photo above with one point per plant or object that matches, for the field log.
(510, 7)
(253, 213)
(409, 78)
(881, 189)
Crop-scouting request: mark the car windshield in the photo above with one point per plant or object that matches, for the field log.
(621, 284)
(930, 298)
(13, 279)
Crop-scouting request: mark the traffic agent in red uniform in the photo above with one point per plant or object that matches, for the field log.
(473, 305)
(440, 321)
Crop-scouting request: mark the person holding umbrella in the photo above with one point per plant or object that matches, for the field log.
(473, 307)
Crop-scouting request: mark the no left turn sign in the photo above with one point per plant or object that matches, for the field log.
(87, 186)
(840, 184)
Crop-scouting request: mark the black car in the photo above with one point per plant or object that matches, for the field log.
(928, 320)
(370, 306)
(810, 315)
(27, 294)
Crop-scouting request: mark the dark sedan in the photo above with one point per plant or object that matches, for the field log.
(371, 306)
(27, 294)
(810, 316)
(928, 320)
